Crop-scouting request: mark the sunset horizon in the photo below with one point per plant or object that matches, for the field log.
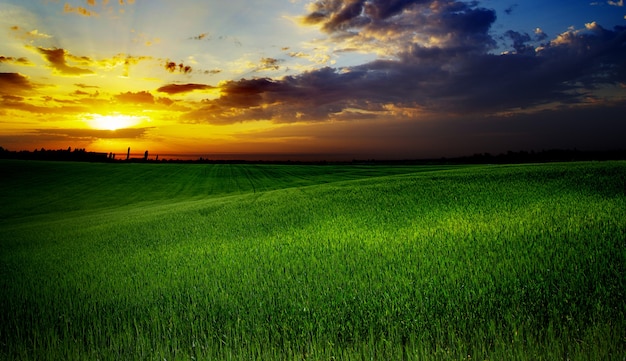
(400, 79)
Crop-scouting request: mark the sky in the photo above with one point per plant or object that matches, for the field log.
(312, 80)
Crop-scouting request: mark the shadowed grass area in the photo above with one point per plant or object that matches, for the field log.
(501, 262)
(34, 188)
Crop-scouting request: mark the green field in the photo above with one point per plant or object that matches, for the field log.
(301, 262)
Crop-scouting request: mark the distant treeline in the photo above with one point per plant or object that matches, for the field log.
(543, 156)
(552, 155)
(75, 155)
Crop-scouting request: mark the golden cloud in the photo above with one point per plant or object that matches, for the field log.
(28, 35)
(78, 10)
(13, 60)
(138, 97)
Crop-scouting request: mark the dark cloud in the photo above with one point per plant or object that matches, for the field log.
(455, 77)
(269, 64)
(183, 88)
(520, 42)
(203, 36)
(469, 21)
(540, 35)
(347, 14)
(212, 72)
(142, 97)
(172, 67)
(248, 92)
(395, 25)
(510, 9)
(57, 59)
(313, 96)
(560, 71)
(378, 14)
(14, 83)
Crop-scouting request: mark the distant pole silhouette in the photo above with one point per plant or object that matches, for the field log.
(128, 154)
(145, 155)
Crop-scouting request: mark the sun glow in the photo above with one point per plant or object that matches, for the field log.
(113, 121)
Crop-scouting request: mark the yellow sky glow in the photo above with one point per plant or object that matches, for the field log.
(113, 121)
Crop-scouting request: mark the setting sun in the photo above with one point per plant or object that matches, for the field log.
(113, 121)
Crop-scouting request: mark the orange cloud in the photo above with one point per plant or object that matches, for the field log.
(78, 134)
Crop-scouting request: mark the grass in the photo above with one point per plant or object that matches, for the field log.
(180, 262)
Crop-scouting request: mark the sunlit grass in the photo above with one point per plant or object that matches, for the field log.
(251, 262)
